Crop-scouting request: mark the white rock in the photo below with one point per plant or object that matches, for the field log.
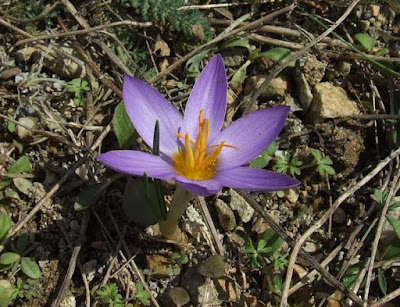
(279, 86)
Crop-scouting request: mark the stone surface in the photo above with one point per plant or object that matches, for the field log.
(225, 215)
(279, 86)
(331, 102)
(303, 90)
(237, 203)
(292, 195)
(30, 123)
(179, 296)
(313, 69)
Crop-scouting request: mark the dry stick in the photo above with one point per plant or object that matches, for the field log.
(305, 255)
(84, 24)
(220, 38)
(387, 298)
(395, 187)
(328, 213)
(92, 64)
(84, 31)
(72, 261)
(210, 224)
(248, 102)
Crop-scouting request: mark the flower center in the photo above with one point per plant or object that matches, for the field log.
(194, 159)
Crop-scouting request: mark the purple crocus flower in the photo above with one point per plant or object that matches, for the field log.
(193, 149)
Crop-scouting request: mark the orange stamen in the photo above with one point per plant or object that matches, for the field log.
(194, 160)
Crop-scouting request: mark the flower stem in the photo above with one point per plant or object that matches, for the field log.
(169, 228)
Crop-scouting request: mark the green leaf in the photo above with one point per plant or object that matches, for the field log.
(140, 203)
(90, 195)
(22, 184)
(30, 267)
(142, 294)
(22, 165)
(365, 40)
(12, 194)
(237, 42)
(239, 76)
(395, 224)
(22, 242)
(5, 224)
(265, 157)
(273, 239)
(6, 292)
(9, 258)
(382, 281)
(278, 55)
(392, 250)
(123, 128)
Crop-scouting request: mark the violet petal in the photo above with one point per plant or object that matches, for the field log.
(254, 179)
(144, 106)
(199, 187)
(137, 163)
(209, 94)
(251, 134)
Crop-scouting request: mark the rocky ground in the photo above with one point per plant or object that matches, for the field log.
(69, 236)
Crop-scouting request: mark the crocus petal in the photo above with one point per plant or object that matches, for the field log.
(209, 94)
(137, 163)
(254, 179)
(251, 134)
(200, 187)
(144, 106)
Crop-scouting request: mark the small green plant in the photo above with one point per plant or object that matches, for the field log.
(78, 87)
(182, 258)
(22, 165)
(323, 163)
(279, 260)
(381, 196)
(266, 247)
(18, 289)
(109, 294)
(288, 165)
(18, 259)
(265, 157)
(142, 294)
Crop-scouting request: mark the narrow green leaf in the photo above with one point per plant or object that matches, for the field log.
(395, 224)
(392, 250)
(365, 40)
(9, 258)
(382, 281)
(237, 42)
(274, 241)
(278, 55)
(123, 128)
(5, 224)
(30, 267)
(239, 76)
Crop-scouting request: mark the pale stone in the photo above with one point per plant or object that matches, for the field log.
(375, 9)
(238, 204)
(30, 123)
(331, 102)
(292, 195)
(225, 215)
(68, 301)
(279, 86)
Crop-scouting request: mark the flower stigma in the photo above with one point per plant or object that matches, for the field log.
(194, 159)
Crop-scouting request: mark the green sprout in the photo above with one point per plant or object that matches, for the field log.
(288, 165)
(109, 294)
(78, 86)
(142, 294)
(265, 157)
(17, 258)
(323, 163)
